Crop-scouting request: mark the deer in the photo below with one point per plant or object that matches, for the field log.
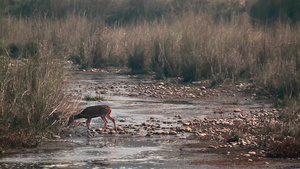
(88, 113)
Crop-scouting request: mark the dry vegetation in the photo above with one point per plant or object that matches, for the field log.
(195, 40)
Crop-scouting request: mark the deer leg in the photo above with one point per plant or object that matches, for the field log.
(88, 123)
(113, 120)
(105, 120)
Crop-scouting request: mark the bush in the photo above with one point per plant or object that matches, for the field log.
(137, 59)
(287, 148)
(75, 59)
(15, 50)
(30, 96)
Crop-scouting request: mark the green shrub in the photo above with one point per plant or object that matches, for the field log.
(15, 50)
(75, 59)
(137, 59)
(96, 98)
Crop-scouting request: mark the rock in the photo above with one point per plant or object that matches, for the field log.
(267, 163)
(201, 134)
(247, 155)
(158, 132)
(211, 146)
(99, 129)
(188, 129)
(120, 128)
(103, 92)
(252, 153)
(172, 133)
(237, 110)
(250, 160)
(56, 136)
(149, 135)
(92, 131)
(186, 124)
(103, 132)
(112, 132)
(165, 132)
(123, 120)
(233, 143)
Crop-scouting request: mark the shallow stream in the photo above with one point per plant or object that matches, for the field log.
(135, 150)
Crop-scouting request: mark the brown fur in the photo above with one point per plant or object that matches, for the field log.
(88, 113)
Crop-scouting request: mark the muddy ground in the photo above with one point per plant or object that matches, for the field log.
(161, 124)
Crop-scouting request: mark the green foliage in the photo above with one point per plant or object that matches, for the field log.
(15, 51)
(137, 60)
(96, 98)
(75, 59)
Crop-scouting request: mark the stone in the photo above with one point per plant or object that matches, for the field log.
(172, 133)
(250, 160)
(237, 110)
(247, 155)
(166, 132)
(252, 153)
(56, 136)
(186, 124)
(149, 135)
(211, 146)
(112, 132)
(188, 129)
(158, 132)
(120, 128)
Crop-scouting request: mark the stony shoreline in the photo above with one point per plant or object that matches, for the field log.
(238, 133)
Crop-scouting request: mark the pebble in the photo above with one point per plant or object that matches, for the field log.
(112, 132)
(211, 146)
(250, 160)
(56, 136)
(173, 133)
(188, 129)
(252, 153)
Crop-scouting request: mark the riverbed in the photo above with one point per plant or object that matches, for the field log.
(149, 113)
